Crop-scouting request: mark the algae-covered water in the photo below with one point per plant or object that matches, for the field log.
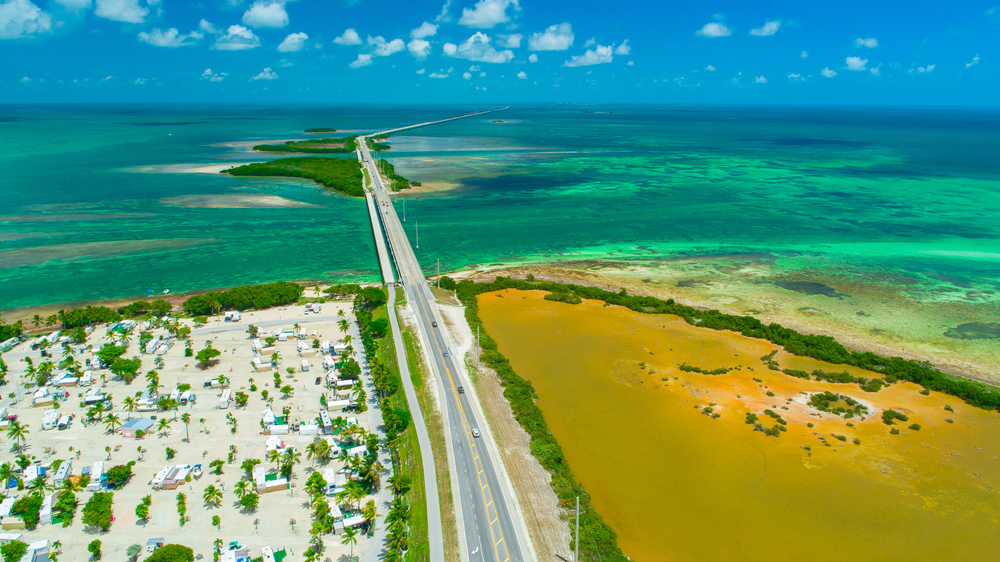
(100, 201)
(677, 484)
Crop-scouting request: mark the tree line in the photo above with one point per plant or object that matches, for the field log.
(340, 174)
(244, 298)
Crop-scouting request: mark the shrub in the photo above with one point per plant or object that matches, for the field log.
(172, 553)
(914, 427)
(889, 415)
(97, 512)
(94, 548)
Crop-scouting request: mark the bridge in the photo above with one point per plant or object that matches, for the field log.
(486, 522)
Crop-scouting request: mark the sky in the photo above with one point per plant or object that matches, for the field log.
(500, 51)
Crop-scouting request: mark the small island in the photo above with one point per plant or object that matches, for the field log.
(344, 145)
(321, 130)
(339, 174)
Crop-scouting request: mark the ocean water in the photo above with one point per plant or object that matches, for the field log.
(100, 201)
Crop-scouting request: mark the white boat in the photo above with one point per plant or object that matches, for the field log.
(196, 471)
(166, 291)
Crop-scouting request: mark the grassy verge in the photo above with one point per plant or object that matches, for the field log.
(435, 428)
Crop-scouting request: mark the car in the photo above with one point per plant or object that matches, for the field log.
(461, 390)
(434, 324)
(475, 432)
(446, 354)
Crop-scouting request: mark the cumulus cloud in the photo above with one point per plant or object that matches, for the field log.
(25, 79)
(350, 37)
(710, 68)
(760, 80)
(828, 73)
(975, 61)
(870, 42)
(522, 76)
(714, 29)
(266, 74)
(590, 42)
(138, 81)
(363, 59)
(237, 38)
(266, 13)
(425, 30)
(599, 55)
(532, 57)
(383, 48)
(293, 42)
(474, 68)
(630, 63)
(419, 48)
(769, 28)
(211, 77)
(856, 63)
(477, 48)
(557, 37)
(76, 4)
(487, 13)
(21, 18)
(170, 38)
(794, 77)
(467, 75)
(207, 27)
(421, 71)
(925, 69)
(441, 74)
(444, 16)
(623, 49)
(128, 11)
(512, 41)
(805, 54)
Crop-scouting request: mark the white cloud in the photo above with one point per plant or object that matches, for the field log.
(870, 42)
(477, 48)
(925, 69)
(710, 68)
(207, 27)
(21, 18)
(795, 77)
(350, 37)
(363, 59)
(76, 4)
(590, 42)
(532, 57)
(856, 63)
(474, 68)
(487, 13)
(443, 16)
(876, 70)
(975, 61)
(128, 11)
(557, 37)
(714, 29)
(293, 42)
(512, 41)
(25, 79)
(760, 80)
(419, 48)
(266, 74)
(828, 73)
(467, 75)
(421, 71)
(630, 63)
(623, 49)
(805, 54)
(237, 38)
(208, 75)
(425, 30)
(522, 76)
(438, 75)
(482, 75)
(769, 28)
(266, 13)
(169, 38)
(138, 81)
(599, 55)
(383, 48)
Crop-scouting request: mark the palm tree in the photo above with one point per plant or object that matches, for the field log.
(186, 418)
(273, 456)
(375, 475)
(350, 536)
(6, 471)
(348, 339)
(130, 405)
(213, 495)
(19, 433)
(164, 426)
(36, 320)
(342, 324)
(50, 320)
(340, 313)
(112, 423)
(242, 488)
(312, 450)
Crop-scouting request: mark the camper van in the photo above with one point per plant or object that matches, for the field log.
(87, 379)
(325, 422)
(97, 477)
(233, 316)
(305, 365)
(63, 423)
(50, 419)
(226, 399)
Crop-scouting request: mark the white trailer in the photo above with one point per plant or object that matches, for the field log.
(50, 420)
(226, 399)
(305, 365)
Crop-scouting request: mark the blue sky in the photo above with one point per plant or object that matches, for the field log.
(495, 51)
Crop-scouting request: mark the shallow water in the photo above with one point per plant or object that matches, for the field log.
(676, 484)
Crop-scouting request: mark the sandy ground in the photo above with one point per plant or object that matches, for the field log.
(535, 502)
(283, 518)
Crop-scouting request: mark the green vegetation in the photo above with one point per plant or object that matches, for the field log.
(172, 553)
(119, 476)
(568, 298)
(94, 548)
(396, 181)
(692, 369)
(13, 551)
(914, 427)
(321, 130)
(97, 512)
(889, 415)
(157, 308)
(598, 540)
(751, 418)
(375, 145)
(27, 508)
(894, 431)
(244, 298)
(313, 146)
(770, 362)
(340, 174)
(834, 404)
(343, 290)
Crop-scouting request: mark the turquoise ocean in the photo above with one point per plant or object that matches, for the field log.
(107, 201)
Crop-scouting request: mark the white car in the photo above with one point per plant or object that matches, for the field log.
(475, 432)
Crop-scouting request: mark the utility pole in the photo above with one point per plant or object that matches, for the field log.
(576, 554)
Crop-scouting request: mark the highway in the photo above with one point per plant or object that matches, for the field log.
(490, 531)
(418, 125)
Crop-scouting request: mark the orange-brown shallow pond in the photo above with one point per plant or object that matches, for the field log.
(677, 484)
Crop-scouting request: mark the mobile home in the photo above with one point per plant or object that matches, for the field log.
(226, 399)
(305, 365)
(50, 420)
(97, 477)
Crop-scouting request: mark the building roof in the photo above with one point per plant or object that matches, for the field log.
(141, 424)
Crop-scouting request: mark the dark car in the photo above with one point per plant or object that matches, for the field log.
(318, 379)
(461, 390)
